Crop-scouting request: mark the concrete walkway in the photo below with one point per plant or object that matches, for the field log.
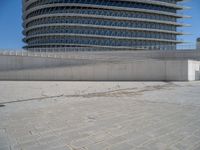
(99, 115)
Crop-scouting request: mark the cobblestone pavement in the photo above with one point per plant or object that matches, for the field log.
(99, 116)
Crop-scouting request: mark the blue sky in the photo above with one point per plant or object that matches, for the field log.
(11, 23)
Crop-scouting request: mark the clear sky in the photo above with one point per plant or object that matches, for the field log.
(11, 23)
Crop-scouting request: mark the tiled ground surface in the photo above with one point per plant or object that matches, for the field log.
(99, 116)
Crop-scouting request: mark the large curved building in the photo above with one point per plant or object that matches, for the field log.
(117, 24)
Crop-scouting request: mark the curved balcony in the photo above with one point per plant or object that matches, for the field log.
(153, 2)
(68, 25)
(80, 46)
(100, 36)
(102, 17)
(52, 6)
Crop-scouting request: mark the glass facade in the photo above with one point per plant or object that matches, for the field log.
(100, 23)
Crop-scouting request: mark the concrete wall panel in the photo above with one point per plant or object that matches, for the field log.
(37, 68)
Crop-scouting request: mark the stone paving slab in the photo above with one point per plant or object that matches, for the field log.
(99, 115)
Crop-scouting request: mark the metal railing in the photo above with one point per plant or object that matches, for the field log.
(63, 52)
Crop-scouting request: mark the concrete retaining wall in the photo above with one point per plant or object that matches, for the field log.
(193, 70)
(37, 68)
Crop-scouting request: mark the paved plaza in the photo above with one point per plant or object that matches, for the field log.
(99, 115)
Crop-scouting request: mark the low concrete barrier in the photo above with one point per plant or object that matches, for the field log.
(37, 68)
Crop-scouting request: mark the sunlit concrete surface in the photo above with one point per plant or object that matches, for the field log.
(99, 115)
(101, 67)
